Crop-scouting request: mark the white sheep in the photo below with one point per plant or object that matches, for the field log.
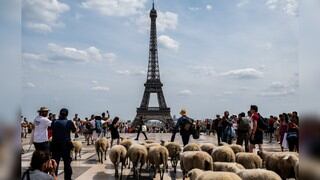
(101, 147)
(223, 154)
(76, 149)
(277, 162)
(197, 174)
(191, 147)
(118, 155)
(227, 166)
(174, 150)
(158, 155)
(138, 156)
(126, 143)
(195, 159)
(207, 147)
(236, 148)
(249, 160)
(258, 174)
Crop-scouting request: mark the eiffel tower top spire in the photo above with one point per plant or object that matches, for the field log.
(153, 64)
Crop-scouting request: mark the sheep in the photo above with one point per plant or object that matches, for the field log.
(258, 174)
(174, 150)
(158, 155)
(195, 159)
(277, 162)
(77, 146)
(197, 174)
(294, 160)
(126, 143)
(191, 147)
(207, 147)
(138, 156)
(101, 147)
(227, 166)
(249, 160)
(118, 155)
(236, 148)
(223, 154)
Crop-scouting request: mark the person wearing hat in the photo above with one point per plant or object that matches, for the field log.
(40, 133)
(185, 124)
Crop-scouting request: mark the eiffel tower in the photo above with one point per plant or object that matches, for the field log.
(153, 84)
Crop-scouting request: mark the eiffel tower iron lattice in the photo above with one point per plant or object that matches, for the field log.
(153, 84)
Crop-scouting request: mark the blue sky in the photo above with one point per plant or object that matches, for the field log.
(91, 55)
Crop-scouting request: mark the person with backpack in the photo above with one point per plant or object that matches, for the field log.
(185, 124)
(97, 124)
(243, 131)
(258, 126)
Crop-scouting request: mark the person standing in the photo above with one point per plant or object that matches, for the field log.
(185, 124)
(61, 142)
(283, 128)
(40, 133)
(77, 123)
(105, 126)
(256, 136)
(226, 128)
(243, 131)
(114, 129)
(142, 129)
(293, 136)
(219, 128)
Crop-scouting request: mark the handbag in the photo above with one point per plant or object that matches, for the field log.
(144, 128)
(195, 132)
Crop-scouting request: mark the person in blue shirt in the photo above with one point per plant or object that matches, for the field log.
(61, 144)
(184, 123)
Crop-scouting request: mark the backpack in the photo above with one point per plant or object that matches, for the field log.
(98, 126)
(186, 124)
(244, 124)
(262, 124)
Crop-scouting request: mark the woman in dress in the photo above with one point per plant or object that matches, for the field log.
(114, 126)
(283, 127)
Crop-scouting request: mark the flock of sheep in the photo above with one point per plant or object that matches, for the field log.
(198, 161)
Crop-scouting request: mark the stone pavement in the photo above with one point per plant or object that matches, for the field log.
(87, 166)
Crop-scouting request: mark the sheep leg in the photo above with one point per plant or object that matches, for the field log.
(122, 163)
(105, 155)
(116, 169)
(80, 153)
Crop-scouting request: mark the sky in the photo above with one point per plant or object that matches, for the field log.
(91, 55)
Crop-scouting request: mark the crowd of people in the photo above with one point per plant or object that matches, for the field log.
(51, 136)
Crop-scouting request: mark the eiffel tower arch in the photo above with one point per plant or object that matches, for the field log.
(153, 84)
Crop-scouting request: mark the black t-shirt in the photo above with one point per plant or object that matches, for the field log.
(61, 130)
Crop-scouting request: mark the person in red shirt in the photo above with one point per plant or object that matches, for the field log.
(256, 136)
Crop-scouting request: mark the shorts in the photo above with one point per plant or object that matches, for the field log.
(258, 138)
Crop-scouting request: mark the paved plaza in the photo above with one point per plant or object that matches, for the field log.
(87, 166)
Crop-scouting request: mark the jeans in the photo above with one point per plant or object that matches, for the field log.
(62, 150)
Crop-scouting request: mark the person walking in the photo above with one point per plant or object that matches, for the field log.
(105, 125)
(114, 129)
(256, 136)
(293, 136)
(283, 128)
(185, 124)
(142, 128)
(40, 132)
(243, 131)
(97, 125)
(61, 142)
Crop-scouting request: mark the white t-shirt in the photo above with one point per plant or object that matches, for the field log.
(41, 129)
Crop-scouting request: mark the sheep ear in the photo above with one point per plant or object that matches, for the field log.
(189, 174)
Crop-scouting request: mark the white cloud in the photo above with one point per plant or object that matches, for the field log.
(168, 42)
(284, 92)
(165, 21)
(277, 85)
(94, 82)
(208, 7)
(86, 55)
(32, 56)
(43, 15)
(203, 70)
(185, 92)
(291, 7)
(242, 3)
(194, 8)
(131, 72)
(115, 7)
(100, 88)
(246, 73)
(30, 85)
(278, 88)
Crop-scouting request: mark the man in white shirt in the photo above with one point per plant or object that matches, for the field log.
(40, 135)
